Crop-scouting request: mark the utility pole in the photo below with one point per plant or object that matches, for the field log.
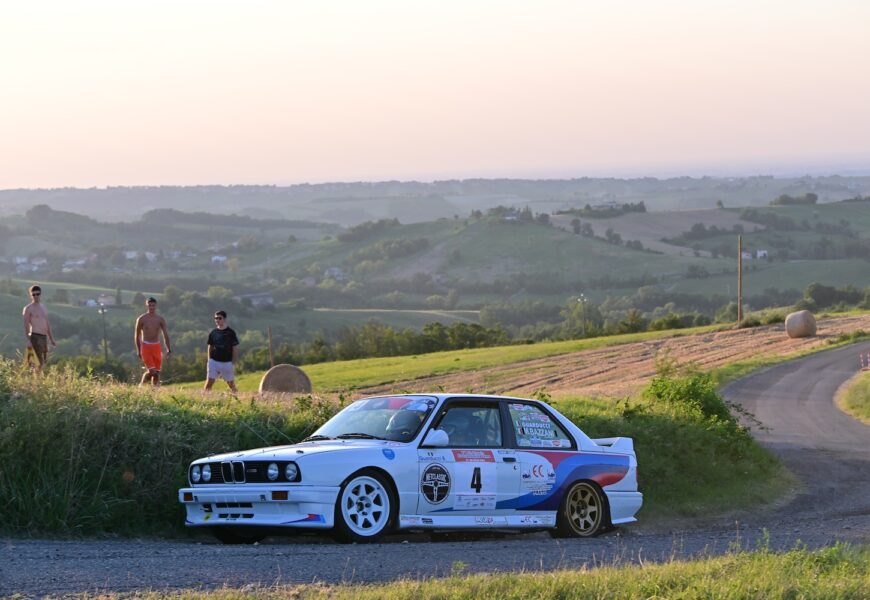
(582, 301)
(739, 278)
(271, 355)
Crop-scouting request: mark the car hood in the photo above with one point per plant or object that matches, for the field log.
(297, 451)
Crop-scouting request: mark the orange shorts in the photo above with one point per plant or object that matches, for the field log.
(152, 356)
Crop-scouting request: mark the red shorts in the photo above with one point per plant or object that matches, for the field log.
(152, 356)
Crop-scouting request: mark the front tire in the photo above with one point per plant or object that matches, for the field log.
(366, 508)
(583, 512)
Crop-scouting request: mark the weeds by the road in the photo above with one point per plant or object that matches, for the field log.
(856, 398)
(80, 456)
(694, 458)
(837, 573)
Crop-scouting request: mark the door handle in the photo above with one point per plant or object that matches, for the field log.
(509, 458)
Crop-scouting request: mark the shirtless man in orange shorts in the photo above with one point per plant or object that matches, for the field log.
(149, 326)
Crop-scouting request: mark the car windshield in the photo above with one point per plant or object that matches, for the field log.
(395, 418)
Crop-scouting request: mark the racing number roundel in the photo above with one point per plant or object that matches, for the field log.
(435, 484)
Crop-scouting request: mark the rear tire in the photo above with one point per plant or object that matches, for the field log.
(238, 535)
(583, 513)
(366, 508)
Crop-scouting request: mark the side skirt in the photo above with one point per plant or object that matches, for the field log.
(536, 521)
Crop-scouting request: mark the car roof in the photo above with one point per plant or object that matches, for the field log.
(444, 396)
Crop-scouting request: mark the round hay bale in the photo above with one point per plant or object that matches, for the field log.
(285, 378)
(800, 324)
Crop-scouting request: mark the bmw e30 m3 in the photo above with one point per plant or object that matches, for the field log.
(440, 462)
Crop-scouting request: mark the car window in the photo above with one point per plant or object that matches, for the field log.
(472, 426)
(535, 428)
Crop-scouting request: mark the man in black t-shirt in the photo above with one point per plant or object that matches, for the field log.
(222, 348)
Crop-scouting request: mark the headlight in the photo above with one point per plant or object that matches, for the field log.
(206, 473)
(195, 474)
(272, 472)
(291, 471)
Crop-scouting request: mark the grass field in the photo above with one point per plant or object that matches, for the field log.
(795, 275)
(352, 374)
(837, 573)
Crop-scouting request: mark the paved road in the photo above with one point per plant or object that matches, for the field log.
(828, 451)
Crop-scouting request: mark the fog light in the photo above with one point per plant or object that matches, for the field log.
(282, 495)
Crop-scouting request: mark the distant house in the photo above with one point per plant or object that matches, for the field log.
(761, 254)
(75, 263)
(131, 254)
(746, 255)
(38, 262)
(20, 260)
(336, 273)
(90, 302)
(106, 299)
(172, 254)
(309, 281)
(511, 215)
(257, 300)
(151, 256)
(218, 259)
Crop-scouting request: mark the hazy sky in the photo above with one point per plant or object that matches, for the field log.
(185, 92)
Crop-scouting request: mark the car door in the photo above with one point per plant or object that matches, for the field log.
(474, 473)
(547, 455)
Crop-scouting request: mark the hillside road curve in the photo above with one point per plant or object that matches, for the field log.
(828, 452)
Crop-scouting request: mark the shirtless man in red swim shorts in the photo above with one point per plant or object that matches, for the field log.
(149, 326)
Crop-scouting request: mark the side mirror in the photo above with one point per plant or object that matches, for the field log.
(436, 438)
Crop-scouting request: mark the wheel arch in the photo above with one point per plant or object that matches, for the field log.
(606, 500)
(607, 522)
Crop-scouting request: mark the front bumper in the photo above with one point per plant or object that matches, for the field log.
(247, 504)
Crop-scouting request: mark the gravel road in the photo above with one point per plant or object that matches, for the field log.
(828, 451)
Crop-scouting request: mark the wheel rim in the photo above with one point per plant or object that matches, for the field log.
(583, 509)
(365, 506)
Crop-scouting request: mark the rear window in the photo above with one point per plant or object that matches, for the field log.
(534, 428)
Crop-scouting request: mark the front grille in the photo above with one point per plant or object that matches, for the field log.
(239, 471)
(217, 475)
(255, 471)
(227, 472)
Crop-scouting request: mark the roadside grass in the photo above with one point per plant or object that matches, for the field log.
(367, 372)
(840, 572)
(855, 399)
(83, 457)
(694, 458)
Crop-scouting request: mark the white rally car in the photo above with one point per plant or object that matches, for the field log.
(440, 461)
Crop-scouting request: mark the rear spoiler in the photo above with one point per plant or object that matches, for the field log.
(617, 444)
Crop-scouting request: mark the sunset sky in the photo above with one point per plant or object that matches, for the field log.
(190, 92)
